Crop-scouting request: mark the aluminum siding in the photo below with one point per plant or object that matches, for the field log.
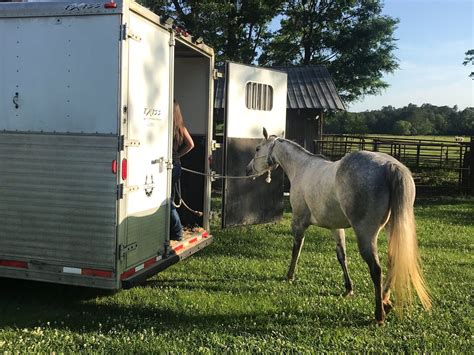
(58, 199)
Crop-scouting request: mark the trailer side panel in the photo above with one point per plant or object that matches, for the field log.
(58, 205)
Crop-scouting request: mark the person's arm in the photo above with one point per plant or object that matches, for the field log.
(188, 143)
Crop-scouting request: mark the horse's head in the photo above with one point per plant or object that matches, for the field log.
(263, 159)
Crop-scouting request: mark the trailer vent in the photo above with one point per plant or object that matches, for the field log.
(258, 96)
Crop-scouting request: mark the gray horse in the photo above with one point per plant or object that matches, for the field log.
(364, 190)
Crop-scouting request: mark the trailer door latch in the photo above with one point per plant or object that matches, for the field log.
(125, 249)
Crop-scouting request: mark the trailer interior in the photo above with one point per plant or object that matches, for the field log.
(192, 91)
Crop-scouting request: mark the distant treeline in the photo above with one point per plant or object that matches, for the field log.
(409, 120)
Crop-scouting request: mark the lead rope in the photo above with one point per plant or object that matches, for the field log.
(177, 186)
(218, 176)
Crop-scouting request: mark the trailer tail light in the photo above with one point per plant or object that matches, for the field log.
(110, 5)
(124, 169)
(114, 166)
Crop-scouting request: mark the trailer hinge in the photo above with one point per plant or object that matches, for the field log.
(119, 191)
(215, 145)
(125, 249)
(128, 143)
(125, 33)
(217, 74)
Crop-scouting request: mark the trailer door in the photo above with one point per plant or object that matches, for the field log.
(147, 140)
(255, 98)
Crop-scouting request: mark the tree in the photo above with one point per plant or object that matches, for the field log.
(352, 38)
(403, 128)
(469, 59)
(236, 29)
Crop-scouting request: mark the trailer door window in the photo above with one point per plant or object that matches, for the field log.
(258, 96)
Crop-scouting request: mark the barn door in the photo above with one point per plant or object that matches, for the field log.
(255, 98)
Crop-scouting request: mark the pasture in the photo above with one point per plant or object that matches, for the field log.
(232, 297)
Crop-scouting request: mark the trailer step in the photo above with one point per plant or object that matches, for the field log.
(192, 243)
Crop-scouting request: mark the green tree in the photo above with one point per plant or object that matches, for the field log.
(402, 128)
(469, 59)
(351, 37)
(236, 29)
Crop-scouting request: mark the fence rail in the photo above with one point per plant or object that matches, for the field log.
(435, 164)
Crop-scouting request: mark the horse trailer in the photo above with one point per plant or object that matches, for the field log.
(86, 95)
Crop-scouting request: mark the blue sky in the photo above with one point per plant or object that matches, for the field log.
(433, 36)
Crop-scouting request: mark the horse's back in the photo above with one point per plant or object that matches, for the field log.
(363, 188)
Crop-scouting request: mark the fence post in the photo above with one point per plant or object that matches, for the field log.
(471, 165)
(418, 148)
(376, 145)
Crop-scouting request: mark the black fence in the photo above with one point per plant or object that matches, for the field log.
(434, 164)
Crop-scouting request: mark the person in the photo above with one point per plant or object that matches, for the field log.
(182, 144)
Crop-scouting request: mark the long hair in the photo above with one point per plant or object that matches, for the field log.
(178, 124)
(404, 260)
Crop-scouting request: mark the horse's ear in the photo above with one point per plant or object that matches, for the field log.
(282, 135)
(265, 133)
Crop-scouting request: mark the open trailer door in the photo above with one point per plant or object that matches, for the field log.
(255, 98)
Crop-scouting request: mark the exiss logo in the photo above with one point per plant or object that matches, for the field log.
(82, 6)
(151, 114)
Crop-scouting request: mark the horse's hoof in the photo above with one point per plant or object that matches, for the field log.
(348, 294)
(380, 323)
(387, 306)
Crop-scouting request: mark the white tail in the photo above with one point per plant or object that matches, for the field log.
(404, 260)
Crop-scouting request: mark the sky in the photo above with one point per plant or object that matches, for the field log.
(433, 36)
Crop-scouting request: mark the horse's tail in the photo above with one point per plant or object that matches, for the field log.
(404, 261)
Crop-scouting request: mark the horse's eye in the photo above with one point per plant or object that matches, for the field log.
(257, 149)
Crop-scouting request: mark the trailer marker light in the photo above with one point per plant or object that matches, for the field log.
(114, 166)
(110, 5)
(124, 169)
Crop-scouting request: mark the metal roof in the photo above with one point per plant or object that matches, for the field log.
(309, 87)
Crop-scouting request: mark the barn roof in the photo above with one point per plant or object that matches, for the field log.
(309, 87)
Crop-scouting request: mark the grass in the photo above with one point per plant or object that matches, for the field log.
(232, 297)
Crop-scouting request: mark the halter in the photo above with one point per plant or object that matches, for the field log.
(271, 162)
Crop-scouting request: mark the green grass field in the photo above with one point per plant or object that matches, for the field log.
(232, 297)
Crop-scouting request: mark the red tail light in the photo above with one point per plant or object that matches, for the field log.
(124, 169)
(114, 166)
(110, 5)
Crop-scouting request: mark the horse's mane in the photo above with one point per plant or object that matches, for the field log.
(302, 149)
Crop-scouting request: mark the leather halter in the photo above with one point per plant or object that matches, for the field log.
(271, 162)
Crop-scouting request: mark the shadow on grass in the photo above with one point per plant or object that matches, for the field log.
(452, 210)
(30, 304)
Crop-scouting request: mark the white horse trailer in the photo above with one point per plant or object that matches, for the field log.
(86, 95)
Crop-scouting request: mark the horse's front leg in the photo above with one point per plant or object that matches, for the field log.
(340, 239)
(298, 229)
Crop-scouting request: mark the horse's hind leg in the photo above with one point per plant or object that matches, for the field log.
(340, 238)
(367, 242)
(298, 233)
